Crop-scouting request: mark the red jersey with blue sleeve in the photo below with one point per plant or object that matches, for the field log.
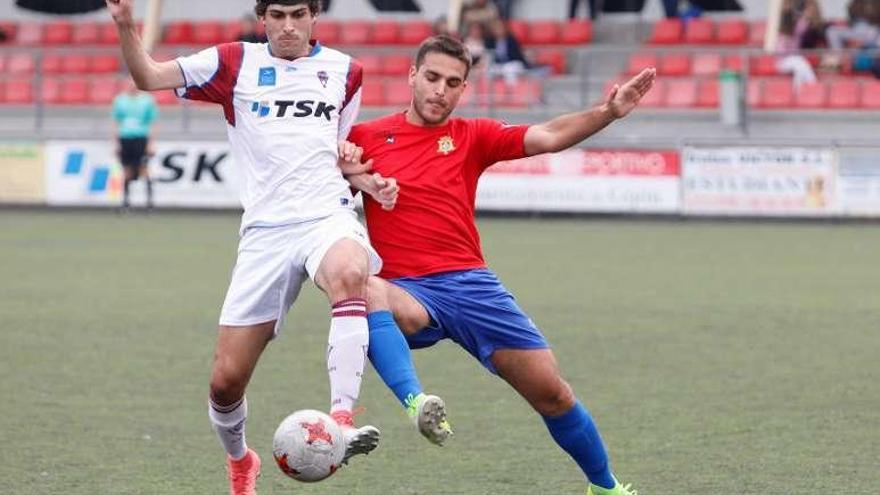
(432, 228)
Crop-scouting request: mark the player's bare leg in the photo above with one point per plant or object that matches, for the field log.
(235, 356)
(534, 374)
(342, 275)
(392, 311)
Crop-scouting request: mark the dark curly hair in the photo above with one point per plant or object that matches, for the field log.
(262, 5)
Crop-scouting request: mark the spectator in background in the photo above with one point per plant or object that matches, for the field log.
(508, 59)
(505, 8)
(863, 30)
(440, 26)
(475, 41)
(3, 35)
(482, 11)
(250, 31)
(573, 9)
(801, 27)
(134, 112)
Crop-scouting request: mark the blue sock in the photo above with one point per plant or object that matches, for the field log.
(391, 356)
(576, 433)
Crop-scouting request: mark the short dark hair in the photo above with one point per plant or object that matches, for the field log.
(446, 45)
(262, 5)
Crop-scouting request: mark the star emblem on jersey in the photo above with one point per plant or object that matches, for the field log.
(445, 145)
(316, 432)
(389, 138)
(323, 77)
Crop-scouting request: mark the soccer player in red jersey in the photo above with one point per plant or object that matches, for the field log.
(435, 283)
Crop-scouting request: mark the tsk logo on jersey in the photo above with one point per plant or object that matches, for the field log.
(323, 77)
(445, 145)
(100, 178)
(267, 76)
(302, 108)
(261, 108)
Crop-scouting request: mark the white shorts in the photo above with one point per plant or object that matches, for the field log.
(273, 262)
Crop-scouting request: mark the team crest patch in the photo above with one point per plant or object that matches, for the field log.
(445, 145)
(267, 76)
(323, 77)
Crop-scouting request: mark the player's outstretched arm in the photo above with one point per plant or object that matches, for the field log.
(567, 130)
(148, 74)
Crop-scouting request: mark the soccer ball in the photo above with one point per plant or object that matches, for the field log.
(308, 445)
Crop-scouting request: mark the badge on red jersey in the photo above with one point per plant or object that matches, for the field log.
(445, 145)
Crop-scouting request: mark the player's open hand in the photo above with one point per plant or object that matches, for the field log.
(385, 191)
(350, 156)
(623, 99)
(121, 10)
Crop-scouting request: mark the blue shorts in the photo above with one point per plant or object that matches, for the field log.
(472, 308)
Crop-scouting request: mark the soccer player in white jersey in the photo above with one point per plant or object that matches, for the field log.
(289, 105)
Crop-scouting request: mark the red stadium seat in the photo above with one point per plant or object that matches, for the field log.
(763, 65)
(640, 61)
(543, 33)
(811, 95)
(707, 95)
(396, 65)
(57, 33)
(2, 63)
(372, 65)
(103, 90)
(519, 29)
(871, 95)
(414, 32)
(50, 91)
(706, 64)
(681, 93)
(29, 33)
(76, 63)
(19, 91)
(667, 32)
(75, 91)
(524, 92)
(208, 33)
(109, 35)
(385, 33)
(105, 64)
(754, 88)
(777, 93)
(327, 32)
(178, 33)
(576, 32)
(674, 64)
(699, 32)
(165, 98)
(496, 93)
(373, 93)
(11, 30)
(733, 32)
(843, 94)
(86, 33)
(355, 33)
(756, 33)
(52, 63)
(2, 91)
(734, 63)
(397, 92)
(553, 58)
(20, 63)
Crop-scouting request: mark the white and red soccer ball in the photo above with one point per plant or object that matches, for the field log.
(308, 445)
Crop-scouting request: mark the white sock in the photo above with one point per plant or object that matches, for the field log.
(347, 352)
(228, 422)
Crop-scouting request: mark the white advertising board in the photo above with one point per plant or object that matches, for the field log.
(858, 182)
(758, 181)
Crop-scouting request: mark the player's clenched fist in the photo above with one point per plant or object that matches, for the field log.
(120, 10)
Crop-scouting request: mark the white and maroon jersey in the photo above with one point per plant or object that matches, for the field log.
(284, 120)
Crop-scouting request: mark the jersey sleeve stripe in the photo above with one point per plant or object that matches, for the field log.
(221, 87)
(353, 81)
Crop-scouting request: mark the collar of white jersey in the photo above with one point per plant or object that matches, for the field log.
(316, 48)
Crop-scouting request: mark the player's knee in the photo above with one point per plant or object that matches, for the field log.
(226, 388)
(349, 280)
(556, 400)
(377, 295)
